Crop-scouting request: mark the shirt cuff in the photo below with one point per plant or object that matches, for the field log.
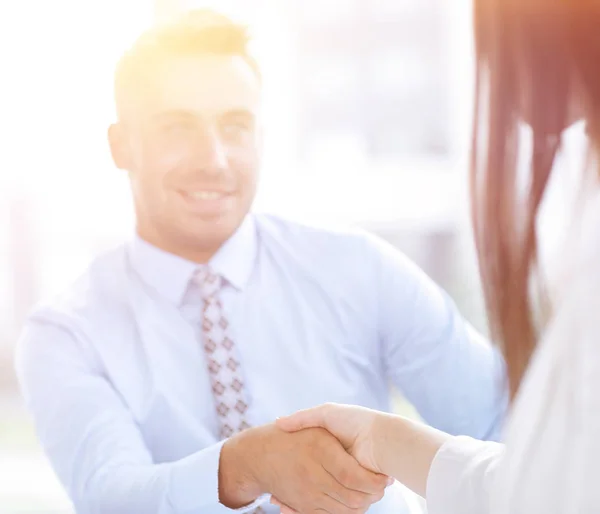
(457, 481)
(194, 484)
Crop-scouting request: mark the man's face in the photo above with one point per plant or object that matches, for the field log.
(191, 146)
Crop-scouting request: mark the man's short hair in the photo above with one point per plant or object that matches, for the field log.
(196, 32)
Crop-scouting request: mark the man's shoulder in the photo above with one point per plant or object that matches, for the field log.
(307, 234)
(98, 290)
(339, 248)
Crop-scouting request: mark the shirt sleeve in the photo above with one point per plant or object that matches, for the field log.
(462, 475)
(449, 372)
(93, 442)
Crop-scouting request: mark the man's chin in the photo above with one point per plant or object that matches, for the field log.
(212, 232)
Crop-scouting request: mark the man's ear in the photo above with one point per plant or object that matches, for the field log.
(119, 146)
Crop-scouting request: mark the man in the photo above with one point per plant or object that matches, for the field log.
(154, 380)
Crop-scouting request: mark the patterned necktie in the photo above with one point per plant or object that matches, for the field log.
(221, 356)
(222, 360)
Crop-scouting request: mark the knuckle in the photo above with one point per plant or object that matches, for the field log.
(379, 496)
(358, 510)
(349, 498)
(323, 502)
(358, 500)
(344, 476)
(378, 483)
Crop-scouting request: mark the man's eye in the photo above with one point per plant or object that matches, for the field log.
(177, 128)
(238, 127)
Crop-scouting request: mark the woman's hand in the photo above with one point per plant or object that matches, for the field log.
(385, 443)
(353, 426)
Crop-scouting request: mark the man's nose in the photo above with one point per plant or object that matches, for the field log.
(212, 154)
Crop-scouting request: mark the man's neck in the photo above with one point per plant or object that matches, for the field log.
(191, 253)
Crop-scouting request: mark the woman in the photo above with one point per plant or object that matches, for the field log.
(538, 61)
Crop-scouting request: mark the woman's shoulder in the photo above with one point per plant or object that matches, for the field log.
(576, 300)
(589, 244)
(579, 256)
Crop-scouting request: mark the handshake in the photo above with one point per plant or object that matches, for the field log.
(321, 459)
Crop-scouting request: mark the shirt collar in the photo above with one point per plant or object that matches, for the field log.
(170, 275)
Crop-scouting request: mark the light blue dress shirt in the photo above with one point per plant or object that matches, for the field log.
(115, 375)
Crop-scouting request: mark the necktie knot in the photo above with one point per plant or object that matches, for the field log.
(208, 282)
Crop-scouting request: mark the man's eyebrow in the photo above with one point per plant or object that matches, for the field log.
(173, 114)
(239, 113)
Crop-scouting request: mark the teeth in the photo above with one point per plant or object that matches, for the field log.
(206, 195)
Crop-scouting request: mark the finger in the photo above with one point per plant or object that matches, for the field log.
(333, 506)
(356, 501)
(372, 499)
(349, 473)
(349, 498)
(283, 508)
(352, 499)
(308, 418)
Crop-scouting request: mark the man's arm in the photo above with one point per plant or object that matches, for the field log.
(100, 456)
(92, 440)
(448, 371)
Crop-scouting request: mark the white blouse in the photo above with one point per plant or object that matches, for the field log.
(550, 462)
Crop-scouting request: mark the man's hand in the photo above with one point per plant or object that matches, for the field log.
(353, 426)
(307, 471)
(384, 443)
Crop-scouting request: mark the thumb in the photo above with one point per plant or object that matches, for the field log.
(308, 418)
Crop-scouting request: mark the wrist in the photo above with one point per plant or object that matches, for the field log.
(388, 433)
(378, 433)
(238, 484)
(405, 449)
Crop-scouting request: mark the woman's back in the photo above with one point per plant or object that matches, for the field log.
(550, 460)
(553, 437)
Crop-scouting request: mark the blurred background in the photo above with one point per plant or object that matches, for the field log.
(368, 108)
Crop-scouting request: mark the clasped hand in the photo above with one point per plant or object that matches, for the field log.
(337, 466)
